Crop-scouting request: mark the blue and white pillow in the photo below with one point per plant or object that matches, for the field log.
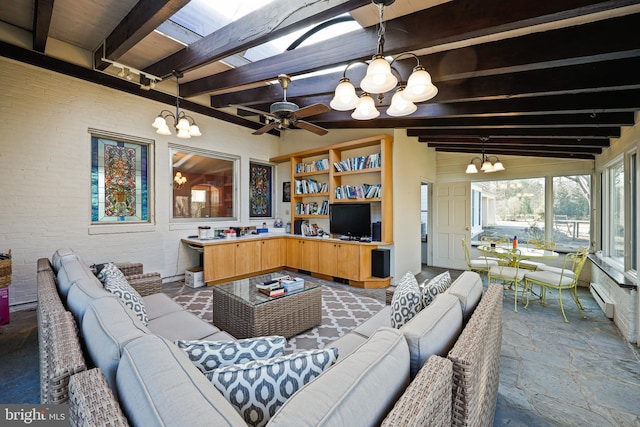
(209, 355)
(437, 285)
(115, 282)
(258, 389)
(406, 302)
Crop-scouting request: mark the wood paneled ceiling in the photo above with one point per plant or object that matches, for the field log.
(531, 78)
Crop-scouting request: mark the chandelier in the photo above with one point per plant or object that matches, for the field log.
(487, 166)
(179, 181)
(380, 79)
(185, 125)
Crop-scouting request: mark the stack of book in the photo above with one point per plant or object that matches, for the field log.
(273, 287)
(293, 284)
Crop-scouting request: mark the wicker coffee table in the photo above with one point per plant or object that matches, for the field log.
(244, 312)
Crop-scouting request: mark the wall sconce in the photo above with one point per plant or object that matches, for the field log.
(486, 165)
(179, 181)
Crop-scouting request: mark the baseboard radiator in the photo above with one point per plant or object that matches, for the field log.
(602, 298)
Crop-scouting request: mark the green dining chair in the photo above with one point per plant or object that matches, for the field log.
(480, 265)
(508, 272)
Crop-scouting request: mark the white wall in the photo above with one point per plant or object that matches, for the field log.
(45, 173)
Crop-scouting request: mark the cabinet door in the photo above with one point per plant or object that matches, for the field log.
(309, 256)
(348, 261)
(247, 257)
(294, 247)
(327, 258)
(219, 262)
(270, 253)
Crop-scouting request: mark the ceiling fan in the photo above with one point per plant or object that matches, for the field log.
(283, 114)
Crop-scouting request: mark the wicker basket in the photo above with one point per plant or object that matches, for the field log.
(5, 271)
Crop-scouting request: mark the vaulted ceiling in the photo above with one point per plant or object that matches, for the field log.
(533, 78)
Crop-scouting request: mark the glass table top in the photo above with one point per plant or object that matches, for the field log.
(246, 289)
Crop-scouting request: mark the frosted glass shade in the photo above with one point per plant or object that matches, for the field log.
(183, 124)
(419, 86)
(366, 109)
(379, 78)
(164, 130)
(498, 166)
(487, 166)
(159, 122)
(194, 130)
(400, 106)
(345, 97)
(471, 168)
(183, 133)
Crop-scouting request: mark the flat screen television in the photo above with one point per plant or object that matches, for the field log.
(352, 220)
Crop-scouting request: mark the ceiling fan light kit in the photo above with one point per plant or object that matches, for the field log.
(283, 114)
(380, 79)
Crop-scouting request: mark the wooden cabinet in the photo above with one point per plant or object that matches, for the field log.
(247, 257)
(302, 254)
(337, 259)
(364, 166)
(271, 253)
(219, 262)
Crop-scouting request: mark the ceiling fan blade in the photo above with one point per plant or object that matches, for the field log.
(266, 128)
(251, 110)
(311, 110)
(311, 127)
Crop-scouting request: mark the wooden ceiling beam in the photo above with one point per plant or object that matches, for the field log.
(524, 153)
(42, 11)
(446, 23)
(267, 23)
(552, 142)
(583, 132)
(582, 43)
(530, 147)
(141, 20)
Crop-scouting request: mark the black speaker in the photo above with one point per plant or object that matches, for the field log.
(380, 262)
(376, 232)
(297, 226)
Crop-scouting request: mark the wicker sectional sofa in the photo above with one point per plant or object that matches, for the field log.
(113, 370)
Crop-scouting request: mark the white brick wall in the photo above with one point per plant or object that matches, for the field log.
(45, 173)
(622, 314)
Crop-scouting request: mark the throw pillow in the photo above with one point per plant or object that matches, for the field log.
(258, 389)
(209, 355)
(430, 289)
(406, 302)
(115, 282)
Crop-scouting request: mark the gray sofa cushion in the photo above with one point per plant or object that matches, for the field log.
(468, 288)
(181, 325)
(349, 393)
(434, 330)
(60, 256)
(69, 272)
(107, 327)
(159, 386)
(81, 293)
(159, 305)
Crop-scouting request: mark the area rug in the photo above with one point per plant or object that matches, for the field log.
(342, 311)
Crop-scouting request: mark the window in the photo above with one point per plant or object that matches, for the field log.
(120, 183)
(203, 185)
(572, 211)
(518, 208)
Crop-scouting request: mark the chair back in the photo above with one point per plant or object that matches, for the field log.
(541, 244)
(574, 261)
(467, 254)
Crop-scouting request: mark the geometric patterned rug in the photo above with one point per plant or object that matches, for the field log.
(342, 311)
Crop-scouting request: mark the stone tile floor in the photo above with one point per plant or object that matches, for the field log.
(552, 373)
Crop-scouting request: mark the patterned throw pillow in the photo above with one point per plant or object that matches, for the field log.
(406, 302)
(433, 287)
(209, 355)
(258, 389)
(115, 282)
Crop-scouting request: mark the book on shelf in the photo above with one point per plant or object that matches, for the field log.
(275, 292)
(316, 166)
(310, 186)
(312, 208)
(358, 163)
(364, 191)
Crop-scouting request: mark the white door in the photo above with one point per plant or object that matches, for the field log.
(451, 224)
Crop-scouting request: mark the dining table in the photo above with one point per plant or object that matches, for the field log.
(522, 252)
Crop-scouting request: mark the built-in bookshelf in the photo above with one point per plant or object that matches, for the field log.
(358, 171)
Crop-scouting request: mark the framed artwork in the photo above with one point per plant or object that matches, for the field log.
(286, 191)
(260, 190)
(119, 180)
